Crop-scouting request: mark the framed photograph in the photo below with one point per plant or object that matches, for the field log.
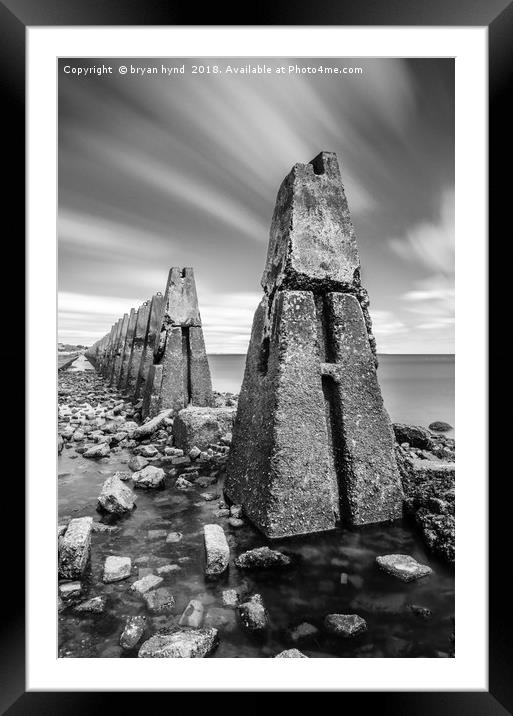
(257, 327)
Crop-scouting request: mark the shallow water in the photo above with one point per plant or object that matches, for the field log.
(306, 592)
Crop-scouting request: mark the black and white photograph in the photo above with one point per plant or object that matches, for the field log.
(256, 424)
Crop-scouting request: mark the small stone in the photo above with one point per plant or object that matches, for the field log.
(208, 496)
(422, 612)
(194, 453)
(262, 558)
(303, 631)
(184, 644)
(230, 597)
(182, 484)
(168, 569)
(185, 460)
(235, 522)
(149, 477)
(236, 511)
(116, 569)
(403, 566)
(107, 529)
(148, 451)
(290, 654)
(95, 605)
(159, 601)
(101, 450)
(253, 614)
(174, 537)
(192, 615)
(132, 632)
(345, 625)
(217, 550)
(137, 462)
(69, 590)
(343, 578)
(150, 581)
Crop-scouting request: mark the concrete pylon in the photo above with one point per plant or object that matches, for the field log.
(312, 442)
(150, 339)
(181, 375)
(136, 350)
(118, 351)
(127, 348)
(107, 370)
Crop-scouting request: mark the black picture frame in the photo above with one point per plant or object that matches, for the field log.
(15, 17)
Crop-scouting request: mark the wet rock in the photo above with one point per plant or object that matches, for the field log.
(148, 451)
(208, 496)
(183, 644)
(414, 435)
(192, 615)
(70, 590)
(116, 568)
(150, 581)
(194, 453)
(149, 477)
(230, 597)
(60, 444)
(132, 632)
(174, 537)
(303, 631)
(115, 497)
(253, 614)
(104, 529)
(217, 551)
(143, 431)
(137, 463)
(123, 475)
(262, 558)
(235, 522)
(95, 605)
(180, 461)
(159, 601)
(290, 654)
(75, 548)
(236, 511)
(182, 484)
(222, 619)
(97, 451)
(200, 427)
(168, 569)
(403, 566)
(440, 427)
(421, 612)
(345, 625)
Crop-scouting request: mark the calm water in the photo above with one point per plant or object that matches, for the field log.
(417, 389)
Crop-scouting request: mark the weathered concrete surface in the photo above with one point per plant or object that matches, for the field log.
(371, 488)
(181, 300)
(118, 351)
(183, 644)
(127, 348)
(150, 341)
(217, 552)
(280, 466)
(136, 350)
(75, 548)
(151, 397)
(115, 497)
(109, 357)
(312, 240)
(201, 427)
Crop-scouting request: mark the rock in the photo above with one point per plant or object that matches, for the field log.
(262, 558)
(183, 644)
(440, 427)
(148, 451)
(95, 605)
(101, 450)
(416, 436)
(226, 439)
(115, 497)
(150, 581)
(168, 569)
(149, 477)
(217, 551)
(208, 496)
(345, 625)
(235, 522)
(132, 632)
(60, 444)
(182, 484)
(152, 425)
(230, 597)
(180, 461)
(303, 631)
(69, 590)
(199, 427)
(137, 463)
(75, 548)
(422, 612)
(403, 567)
(104, 529)
(123, 475)
(222, 619)
(194, 453)
(253, 614)
(116, 569)
(174, 537)
(290, 654)
(159, 601)
(192, 615)
(236, 511)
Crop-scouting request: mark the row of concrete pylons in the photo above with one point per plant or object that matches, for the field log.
(157, 352)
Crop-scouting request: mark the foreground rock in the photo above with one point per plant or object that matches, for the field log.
(253, 614)
(159, 601)
(143, 585)
(97, 451)
(414, 435)
(75, 548)
(183, 644)
(402, 566)
(193, 614)
(144, 431)
(217, 551)
(149, 477)
(345, 625)
(115, 497)
(201, 427)
(132, 632)
(116, 569)
(95, 605)
(262, 558)
(290, 654)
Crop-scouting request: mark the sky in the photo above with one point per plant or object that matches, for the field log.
(161, 170)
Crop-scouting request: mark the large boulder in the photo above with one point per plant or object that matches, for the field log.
(201, 427)
(183, 644)
(416, 436)
(217, 551)
(149, 477)
(75, 548)
(116, 497)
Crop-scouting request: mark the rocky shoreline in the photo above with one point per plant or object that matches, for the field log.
(145, 463)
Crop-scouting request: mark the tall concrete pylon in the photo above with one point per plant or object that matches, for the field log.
(312, 442)
(180, 375)
(107, 370)
(150, 339)
(136, 350)
(127, 347)
(118, 351)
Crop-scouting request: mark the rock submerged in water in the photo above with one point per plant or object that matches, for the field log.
(95, 605)
(116, 568)
(291, 654)
(253, 614)
(150, 581)
(132, 632)
(217, 551)
(149, 477)
(115, 497)
(159, 601)
(75, 548)
(193, 614)
(345, 625)
(262, 558)
(183, 644)
(403, 566)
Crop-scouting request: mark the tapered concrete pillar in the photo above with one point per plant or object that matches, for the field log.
(150, 339)
(312, 442)
(118, 351)
(134, 362)
(107, 371)
(127, 348)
